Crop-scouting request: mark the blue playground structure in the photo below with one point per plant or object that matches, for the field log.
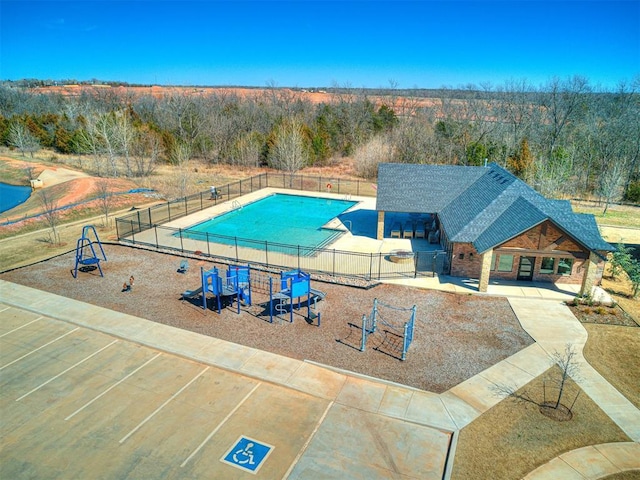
(236, 283)
(370, 325)
(294, 285)
(86, 256)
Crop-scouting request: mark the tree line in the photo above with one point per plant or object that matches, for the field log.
(565, 137)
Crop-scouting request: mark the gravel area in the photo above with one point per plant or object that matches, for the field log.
(456, 336)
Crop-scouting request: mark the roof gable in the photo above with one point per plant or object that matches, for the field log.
(485, 206)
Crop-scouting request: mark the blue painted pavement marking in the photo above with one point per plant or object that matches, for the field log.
(247, 454)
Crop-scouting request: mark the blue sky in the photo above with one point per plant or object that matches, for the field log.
(425, 44)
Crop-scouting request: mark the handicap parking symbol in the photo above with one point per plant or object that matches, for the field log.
(247, 454)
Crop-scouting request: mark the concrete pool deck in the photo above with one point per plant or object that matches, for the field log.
(90, 392)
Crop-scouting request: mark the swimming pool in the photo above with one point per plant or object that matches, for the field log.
(279, 218)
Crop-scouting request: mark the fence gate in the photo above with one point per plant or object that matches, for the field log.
(431, 262)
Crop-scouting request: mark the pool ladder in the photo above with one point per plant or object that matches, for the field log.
(236, 205)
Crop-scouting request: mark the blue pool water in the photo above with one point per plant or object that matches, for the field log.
(12, 196)
(279, 218)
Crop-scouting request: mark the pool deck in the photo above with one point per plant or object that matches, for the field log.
(346, 242)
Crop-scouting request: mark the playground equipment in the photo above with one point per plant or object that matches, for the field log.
(240, 276)
(86, 255)
(370, 325)
(236, 283)
(294, 285)
(184, 266)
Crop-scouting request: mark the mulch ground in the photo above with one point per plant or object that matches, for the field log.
(455, 338)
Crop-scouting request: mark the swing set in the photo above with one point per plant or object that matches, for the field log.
(87, 258)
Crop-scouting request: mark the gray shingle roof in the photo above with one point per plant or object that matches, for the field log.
(485, 206)
(421, 188)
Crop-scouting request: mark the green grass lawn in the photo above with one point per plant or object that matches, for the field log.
(617, 215)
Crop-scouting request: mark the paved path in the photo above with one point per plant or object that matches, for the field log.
(553, 327)
(595, 461)
(344, 423)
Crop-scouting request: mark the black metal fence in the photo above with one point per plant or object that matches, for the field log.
(145, 227)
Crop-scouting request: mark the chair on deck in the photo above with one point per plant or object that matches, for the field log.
(420, 232)
(396, 231)
(407, 231)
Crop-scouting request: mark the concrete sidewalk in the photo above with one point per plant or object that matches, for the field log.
(587, 463)
(553, 327)
(361, 406)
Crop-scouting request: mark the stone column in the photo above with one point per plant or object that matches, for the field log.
(485, 271)
(589, 277)
(380, 231)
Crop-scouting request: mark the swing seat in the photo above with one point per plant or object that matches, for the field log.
(89, 261)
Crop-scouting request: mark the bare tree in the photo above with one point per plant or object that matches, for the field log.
(611, 182)
(180, 157)
(289, 151)
(368, 156)
(105, 198)
(21, 138)
(561, 101)
(568, 367)
(51, 214)
(146, 152)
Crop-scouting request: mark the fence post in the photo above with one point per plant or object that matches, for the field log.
(364, 333)
(298, 257)
(404, 342)
(208, 244)
(235, 241)
(181, 245)
(266, 253)
(370, 266)
(334, 262)
(155, 229)
(379, 264)
(374, 315)
(270, 299)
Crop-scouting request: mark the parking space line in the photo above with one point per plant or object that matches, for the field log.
(39, 348)
(124, 439)
(6, 308)
(114, 385)
(219, 426)
(65, 371)
(306, 444)
(21, 326)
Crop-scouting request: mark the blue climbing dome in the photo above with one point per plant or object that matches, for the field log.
(86, 255)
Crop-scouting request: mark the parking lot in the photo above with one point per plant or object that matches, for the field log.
(78, 402)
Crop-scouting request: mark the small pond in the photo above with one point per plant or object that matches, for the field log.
(11, 196)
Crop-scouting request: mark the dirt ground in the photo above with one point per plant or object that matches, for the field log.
(455, 336)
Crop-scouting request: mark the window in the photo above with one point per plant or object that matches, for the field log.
(547, 265)
(564, 266)
(505, 263)
(493, 262)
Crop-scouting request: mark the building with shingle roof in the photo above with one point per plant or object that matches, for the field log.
(495, 226)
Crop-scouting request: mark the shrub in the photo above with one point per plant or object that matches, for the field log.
(633, 192)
